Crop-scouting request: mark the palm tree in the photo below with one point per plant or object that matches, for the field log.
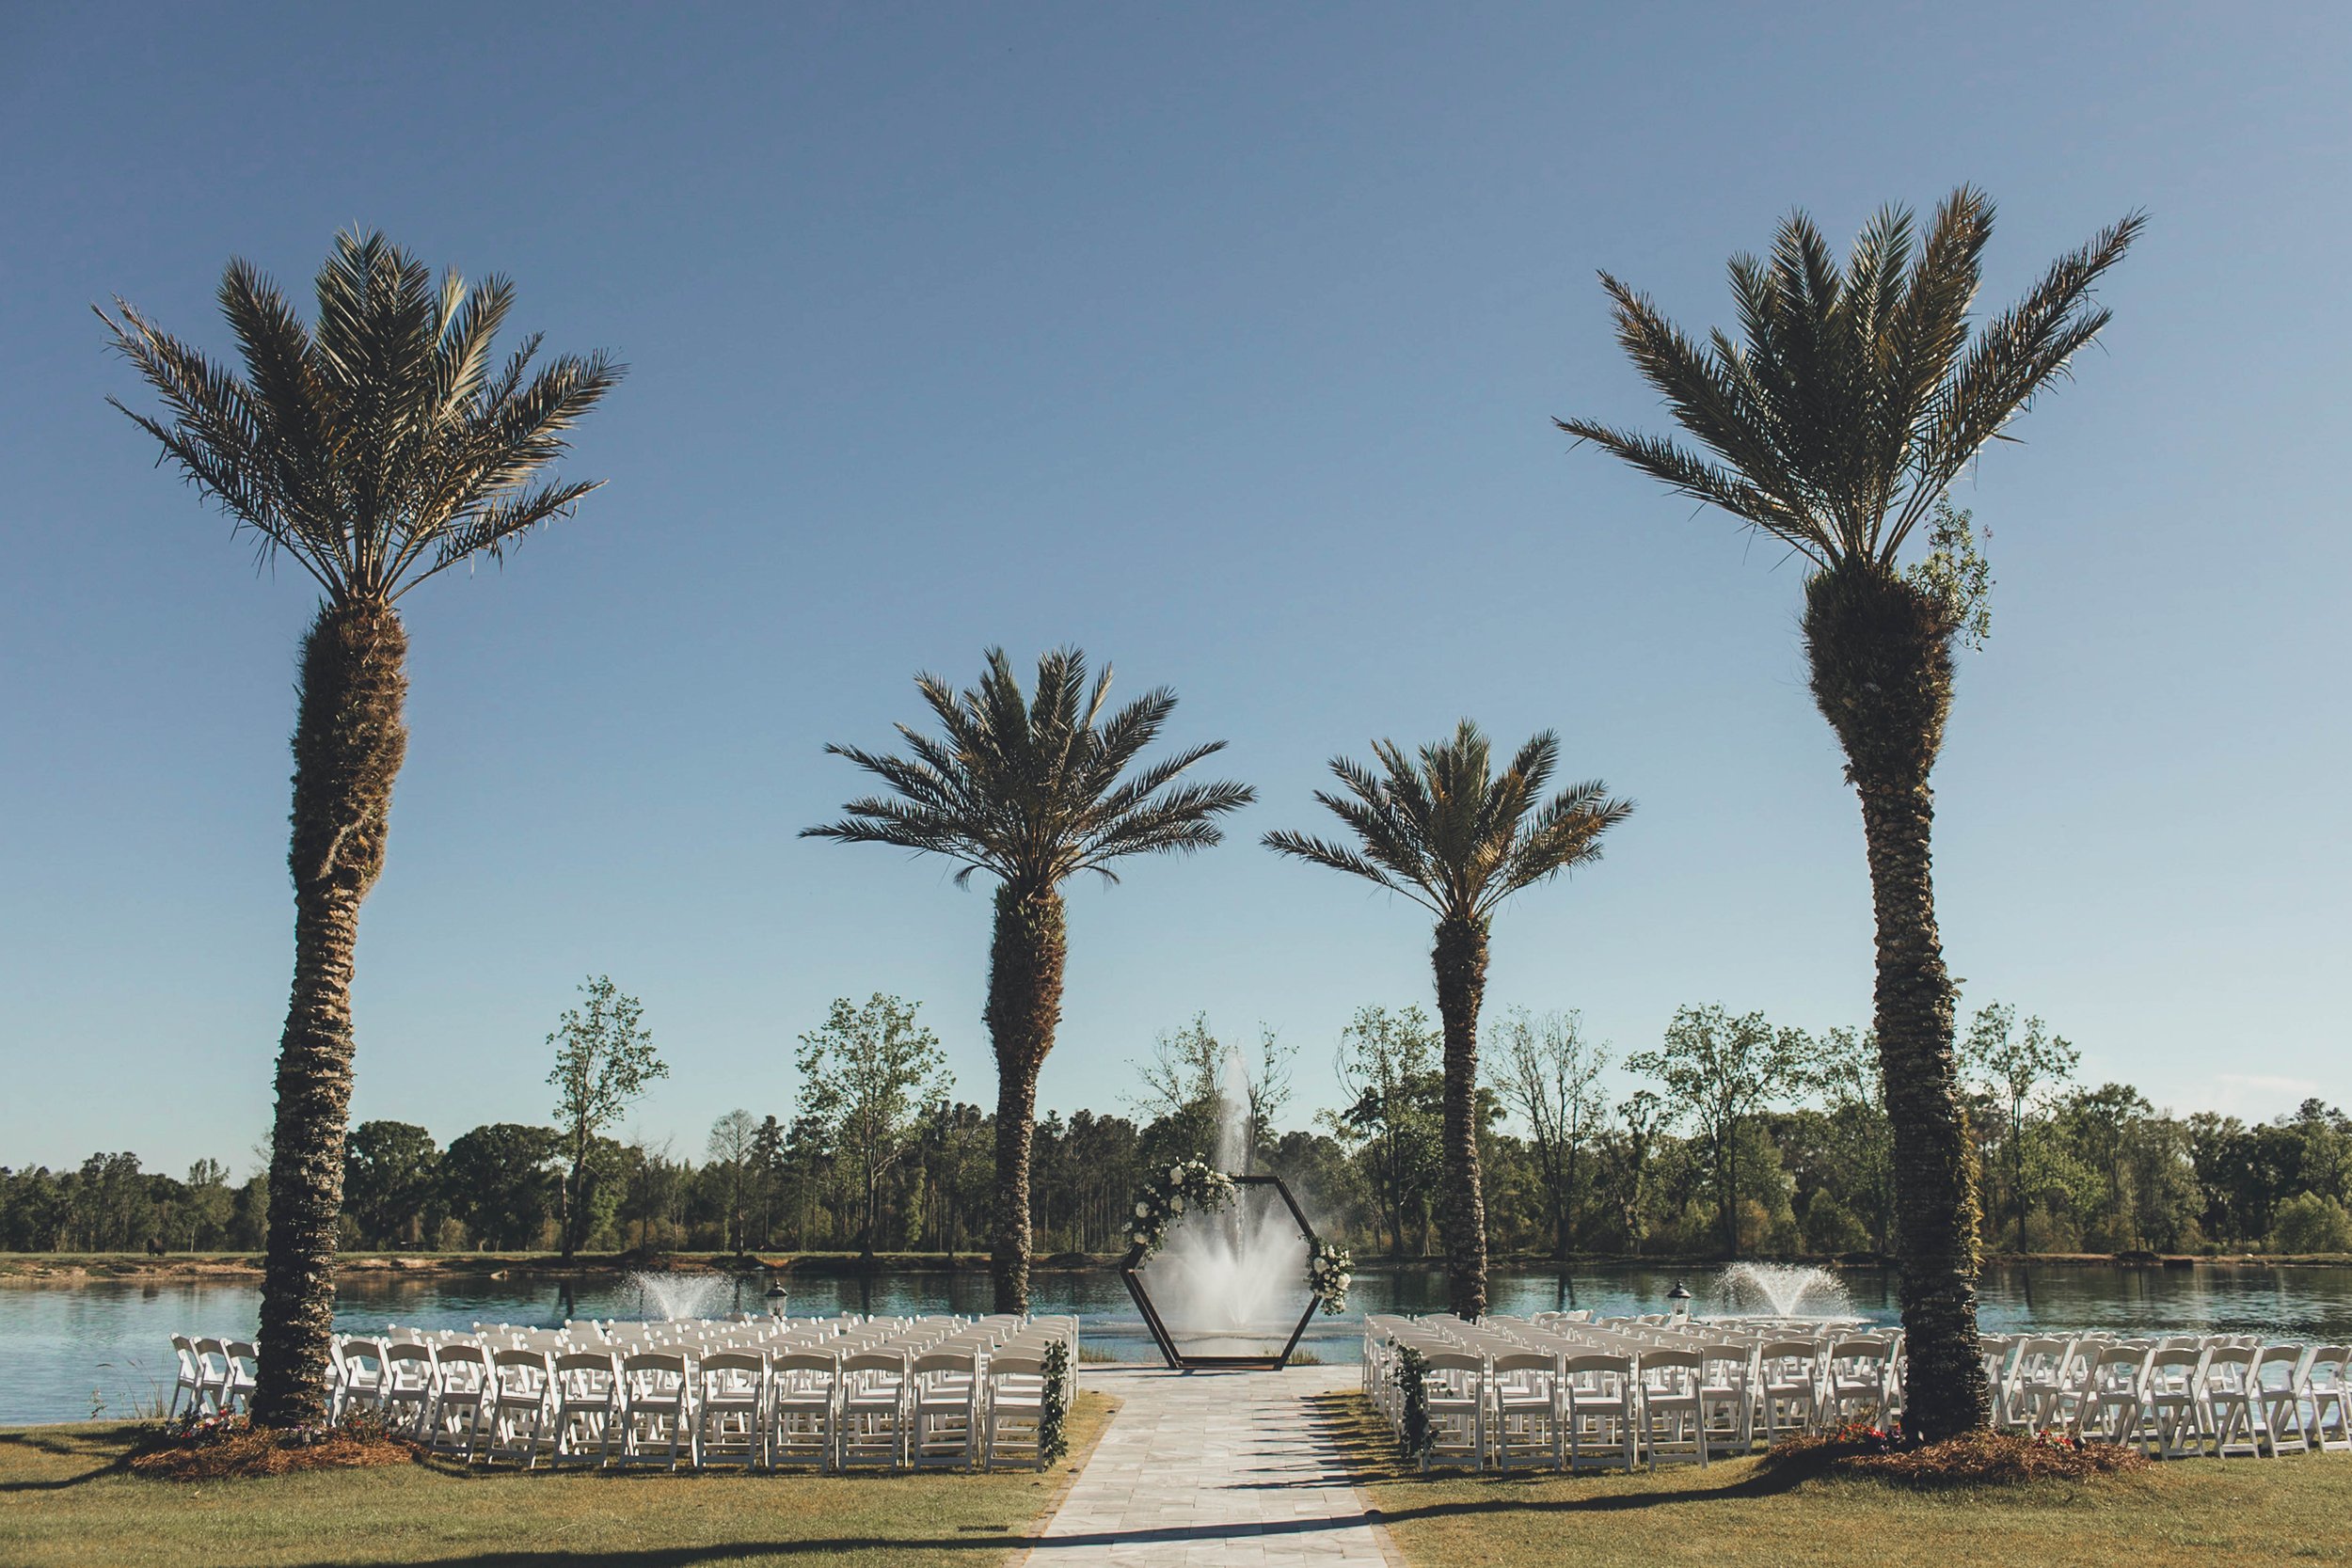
(1028, 790)
(1447, 832)
(1837, 424)
(375, 450)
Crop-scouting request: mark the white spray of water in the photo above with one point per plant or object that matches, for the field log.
(1231, 1282)
(1782, 1291)
(671, 1295)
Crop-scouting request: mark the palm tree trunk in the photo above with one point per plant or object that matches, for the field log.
(348, 744)
(1025, 974)
(1882, 670)
(1460, 961)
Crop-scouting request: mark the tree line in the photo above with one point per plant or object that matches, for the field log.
(1738, 1138)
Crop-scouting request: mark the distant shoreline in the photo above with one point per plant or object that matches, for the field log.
(41, 1268)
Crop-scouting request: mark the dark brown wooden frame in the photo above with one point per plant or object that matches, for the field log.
(1177, 1359)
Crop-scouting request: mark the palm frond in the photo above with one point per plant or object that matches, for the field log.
(1443, 828)
(1851, 396)
(1035, 786)
(374, 445)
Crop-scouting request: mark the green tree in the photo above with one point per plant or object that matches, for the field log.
(1391, 1072)
(375, 450)
(1836, 423)
(733, 1147)
(1028, 788)
(1847, 1071)
(1184, 1083)
(2308, 1223)
(866, 1073)
(1551, 1074)
(604, 1060)
(499, 1181)
(1446, 831)
(2018, 1066)
(390, 1178)
(1725, 1070)
(208, 1205)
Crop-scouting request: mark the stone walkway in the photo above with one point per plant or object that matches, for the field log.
(1215, 1468)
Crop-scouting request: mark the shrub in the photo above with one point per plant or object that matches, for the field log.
(2310, 1223)
(1972, 1459)
(221, 1447)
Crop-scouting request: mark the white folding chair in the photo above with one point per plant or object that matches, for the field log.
(2278, 1377)
(587, 1407)
(874, 1409)
(461, 1382)
(946, 1409)
(1599, 1394)
(1727, 1397)
(2328, 1393)
(731, 1409)
(1671, 1414)
(657, 1403)
(516, 1413)
(361, 1384)
(1790, 1398)
(1527, 1407)
(2229, 1401)
(1013, 1415)
(2171, 1427)
(1454, 1388)
(187, 1380)
(802, 1405)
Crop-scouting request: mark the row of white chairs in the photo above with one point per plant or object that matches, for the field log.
(2225, 1396)
(1563, 1391)
(760, 1394)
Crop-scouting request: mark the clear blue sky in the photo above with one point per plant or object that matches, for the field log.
(1222, 342)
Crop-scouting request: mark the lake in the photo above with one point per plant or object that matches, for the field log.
(66, 1351)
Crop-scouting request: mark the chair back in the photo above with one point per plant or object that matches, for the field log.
(733, 1376)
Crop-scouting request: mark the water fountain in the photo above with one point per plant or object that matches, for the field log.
(671, 1295)
(1228, 1288)
(1780, 1290)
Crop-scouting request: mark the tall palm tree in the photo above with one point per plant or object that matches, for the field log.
(1836, 423)
(373, 449)
(1446, 831)
(1028, 790)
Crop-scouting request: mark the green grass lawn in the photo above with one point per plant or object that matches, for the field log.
(64, 1501)
(1732, 1515)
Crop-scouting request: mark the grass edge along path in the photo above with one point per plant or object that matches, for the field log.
(2185, 1512)
(66, 1502)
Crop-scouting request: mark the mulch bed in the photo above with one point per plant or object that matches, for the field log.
(232, 1449)
(1972, 1459)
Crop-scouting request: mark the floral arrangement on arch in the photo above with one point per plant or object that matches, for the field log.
(1329, 1272)
(1193, 1183)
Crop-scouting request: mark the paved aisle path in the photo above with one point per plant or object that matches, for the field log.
(1215, 1468)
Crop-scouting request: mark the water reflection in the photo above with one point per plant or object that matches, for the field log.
(59, 1343)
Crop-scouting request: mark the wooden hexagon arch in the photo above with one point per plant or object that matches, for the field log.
(1160, 1336)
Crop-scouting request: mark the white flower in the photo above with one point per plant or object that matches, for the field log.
(1143, 1210)
(1175, 1174)
(1177, 1203)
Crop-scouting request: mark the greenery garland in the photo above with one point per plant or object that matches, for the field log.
(1194, 1182)
(1415, 1433)
(1053, 1439)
